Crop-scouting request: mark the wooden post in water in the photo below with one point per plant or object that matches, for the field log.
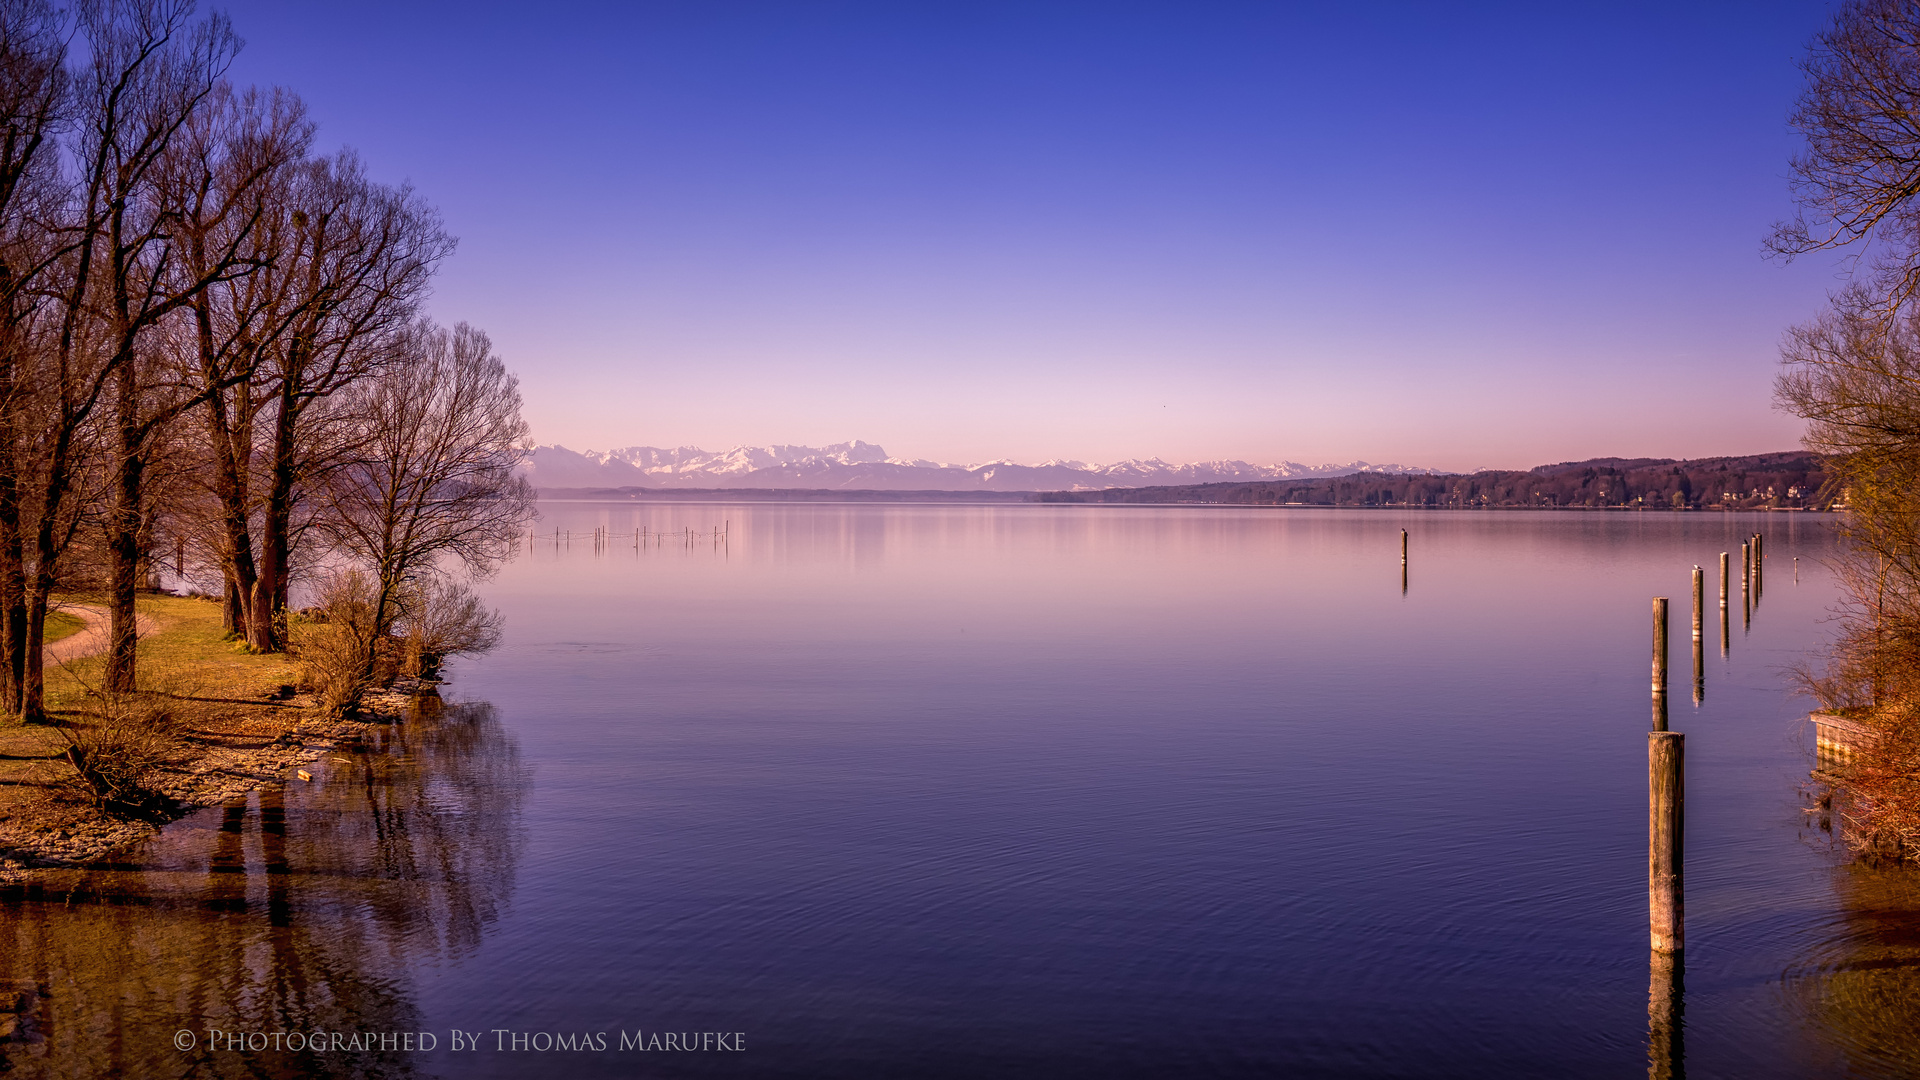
(1403, 562)
(1699, 636)
(1659, 663)
(1666, 800)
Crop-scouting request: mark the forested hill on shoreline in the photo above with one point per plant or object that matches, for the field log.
(1791, 480)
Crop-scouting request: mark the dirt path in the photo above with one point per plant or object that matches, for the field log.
(91, 638)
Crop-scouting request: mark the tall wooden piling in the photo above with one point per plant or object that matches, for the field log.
(1659, 644)
(1699, 636)
(1723, 581)
(1659, 663)
(1403, 561)
(1666, 800)
(1699, 600)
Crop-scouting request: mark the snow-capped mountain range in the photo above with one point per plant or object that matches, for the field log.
(856, 466)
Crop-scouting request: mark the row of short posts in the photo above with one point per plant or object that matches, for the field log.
(1664, 747)
(1666, 807)
(603, 538)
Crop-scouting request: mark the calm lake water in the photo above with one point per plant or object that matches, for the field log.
(1031, 791)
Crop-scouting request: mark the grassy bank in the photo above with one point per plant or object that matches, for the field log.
(185, 657)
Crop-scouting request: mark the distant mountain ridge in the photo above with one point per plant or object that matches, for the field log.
(862, 466)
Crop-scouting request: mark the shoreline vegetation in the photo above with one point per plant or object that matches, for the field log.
(216, 377)
(233, 722)
(1852, 373)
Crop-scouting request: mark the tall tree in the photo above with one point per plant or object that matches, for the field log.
(183, 111)
(33, 97)
(366, 254)
(149, 66)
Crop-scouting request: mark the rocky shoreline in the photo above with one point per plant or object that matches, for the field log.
(60, 831)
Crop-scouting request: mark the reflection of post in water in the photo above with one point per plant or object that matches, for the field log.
(1725, 643)
(1666, 1000)
(1699, 636)
(1746, 587)
(1659, 663)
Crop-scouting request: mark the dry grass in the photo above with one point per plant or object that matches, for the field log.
(60, 624)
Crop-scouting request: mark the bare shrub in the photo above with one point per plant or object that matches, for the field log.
(333, 650)
(440, 618)
(115, 749)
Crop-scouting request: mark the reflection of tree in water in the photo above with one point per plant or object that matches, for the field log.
(1861, 985)
(302, 908)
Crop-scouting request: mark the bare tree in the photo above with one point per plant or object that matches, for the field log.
(149, 67)
(33, 96)
(1860, 113)
(432, 480)
(367, 254)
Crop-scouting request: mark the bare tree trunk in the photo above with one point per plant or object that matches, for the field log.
(123, 536)
(267, 631)
(13, 563)
(13, 594)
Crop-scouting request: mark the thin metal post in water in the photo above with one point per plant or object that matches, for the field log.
(1660, 663)
(1666, 801)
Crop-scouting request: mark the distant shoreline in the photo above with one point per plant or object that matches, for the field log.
(1794, 480)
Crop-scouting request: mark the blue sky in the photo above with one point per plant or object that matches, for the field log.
(1443, 235)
